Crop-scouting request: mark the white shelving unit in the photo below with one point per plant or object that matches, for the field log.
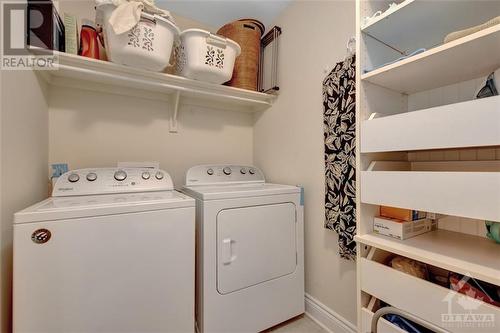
(85, 73)
(426, 159)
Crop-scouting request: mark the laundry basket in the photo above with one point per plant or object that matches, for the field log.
(204, 56)
(247, 33)
(148, 45)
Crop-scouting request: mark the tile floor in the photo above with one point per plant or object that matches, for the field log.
(300, 324)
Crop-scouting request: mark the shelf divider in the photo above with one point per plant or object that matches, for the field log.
(468, 124)
(464, 188)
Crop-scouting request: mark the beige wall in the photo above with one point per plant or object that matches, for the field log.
(95, 129)
(84, 9)
(24, 151)
(288, 138)
(91, 129)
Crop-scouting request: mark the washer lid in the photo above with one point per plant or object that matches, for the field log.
(213, 192)
(57, 208)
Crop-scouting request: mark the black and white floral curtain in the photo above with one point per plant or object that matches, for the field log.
(339, 92)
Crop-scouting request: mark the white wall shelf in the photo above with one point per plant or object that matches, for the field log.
(85, 73)
(463, 59)
(473, 192)
(454, 251)
(428, 22)
(435, 128)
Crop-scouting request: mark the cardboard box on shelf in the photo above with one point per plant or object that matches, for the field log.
(401, 213)
(402, 229)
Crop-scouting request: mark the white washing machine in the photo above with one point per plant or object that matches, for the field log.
(112, 251)
(250, 263)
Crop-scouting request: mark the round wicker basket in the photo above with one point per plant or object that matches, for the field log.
(247, 33)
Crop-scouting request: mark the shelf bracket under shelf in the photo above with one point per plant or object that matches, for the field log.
(175, 112)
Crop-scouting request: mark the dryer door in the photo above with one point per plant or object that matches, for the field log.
(255, 244)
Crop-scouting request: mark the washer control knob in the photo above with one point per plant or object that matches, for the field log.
(252, 171)
(92, 176)
(243, 171)
(227, 171)
(120, 175)
(210, 172)
(73, 178)
(159, 175)
(145, 175)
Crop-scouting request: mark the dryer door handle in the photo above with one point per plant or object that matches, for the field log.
(227, 251)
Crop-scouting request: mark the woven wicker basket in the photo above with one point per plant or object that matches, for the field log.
(247, 33)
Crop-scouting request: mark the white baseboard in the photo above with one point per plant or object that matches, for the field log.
(326, 317)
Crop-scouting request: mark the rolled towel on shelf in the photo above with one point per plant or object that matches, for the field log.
(462, 33)
(128, 13)
(137, 33)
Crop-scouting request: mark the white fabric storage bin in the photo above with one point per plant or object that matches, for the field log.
(206, 57)
(148, 45)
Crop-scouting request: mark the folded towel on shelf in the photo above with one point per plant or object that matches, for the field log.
(462, 33)
(128, 13)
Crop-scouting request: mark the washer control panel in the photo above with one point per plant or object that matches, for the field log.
(217, 174)
(111, 180)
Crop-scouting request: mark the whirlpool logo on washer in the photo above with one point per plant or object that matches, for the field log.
(121, 185)
(65, 189)
(41, 236)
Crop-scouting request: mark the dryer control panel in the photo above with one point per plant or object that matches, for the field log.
(220, 174)
(111, 180)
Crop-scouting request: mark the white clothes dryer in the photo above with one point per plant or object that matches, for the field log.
(250, 249)
(112, 251)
